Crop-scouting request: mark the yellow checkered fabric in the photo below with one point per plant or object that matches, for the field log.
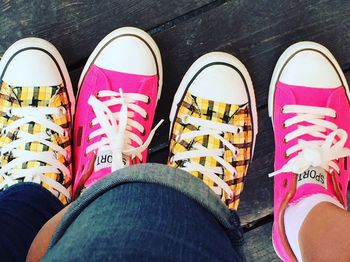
(38, 96)
(237, 115)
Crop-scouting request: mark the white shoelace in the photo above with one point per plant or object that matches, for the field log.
(37, 175)
(215, 130)
(321, 152)
(115, 127)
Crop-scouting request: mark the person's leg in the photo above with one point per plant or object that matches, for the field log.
(146, 220)
(164, 213)
(325, 234)
(24, 209)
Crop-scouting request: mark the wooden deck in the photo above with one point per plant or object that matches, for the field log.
(256, 31)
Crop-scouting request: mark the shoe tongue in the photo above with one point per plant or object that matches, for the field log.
(313, 176)
(314, 180)
(37, 96)
(104, 160)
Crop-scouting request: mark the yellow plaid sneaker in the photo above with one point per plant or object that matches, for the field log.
(214, 124)
(36, 106)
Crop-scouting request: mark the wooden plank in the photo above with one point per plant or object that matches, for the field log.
(75, 27)
(256, 32)
(258, 244)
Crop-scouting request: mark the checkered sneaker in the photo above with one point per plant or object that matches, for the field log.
(35, 138)
(235, 145)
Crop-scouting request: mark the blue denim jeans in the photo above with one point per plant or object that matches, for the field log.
(24, 209)
(145, 213)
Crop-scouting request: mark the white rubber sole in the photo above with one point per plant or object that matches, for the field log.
(33, 42)
(201, 62)
(288, 54)
(123, 31)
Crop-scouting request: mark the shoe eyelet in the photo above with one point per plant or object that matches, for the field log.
(239, 130)
(286, 156)
(88, 139)
(285, 183)
(177, 138)
(9, 112)
(62, 111)
(284, 125)
(49, 132)
(146, 117)
(97, 94)
(282, 110)
(85, 154)
(143, 132)
(284, 140)
(90, 125)
(184, 119)
(148, 101)
(69, 157)
(335, 115)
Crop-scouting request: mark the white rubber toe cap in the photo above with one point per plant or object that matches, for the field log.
(32, 68)
(220, 83)
(312, 69)
(127, 54)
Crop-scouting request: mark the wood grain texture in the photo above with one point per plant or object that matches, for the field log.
(75, 27)
(258, 245)
(257, 32)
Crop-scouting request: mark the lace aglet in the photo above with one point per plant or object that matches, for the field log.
(273, 174)
(158, 125)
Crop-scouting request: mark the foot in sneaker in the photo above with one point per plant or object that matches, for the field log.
(118, 93)
(309, 107)
(214, 124)
(36, 107)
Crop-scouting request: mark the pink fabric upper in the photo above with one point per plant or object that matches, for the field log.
(285, 94)
(98, 79)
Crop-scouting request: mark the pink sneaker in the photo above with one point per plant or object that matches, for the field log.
(118, 93)
(309, 108)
